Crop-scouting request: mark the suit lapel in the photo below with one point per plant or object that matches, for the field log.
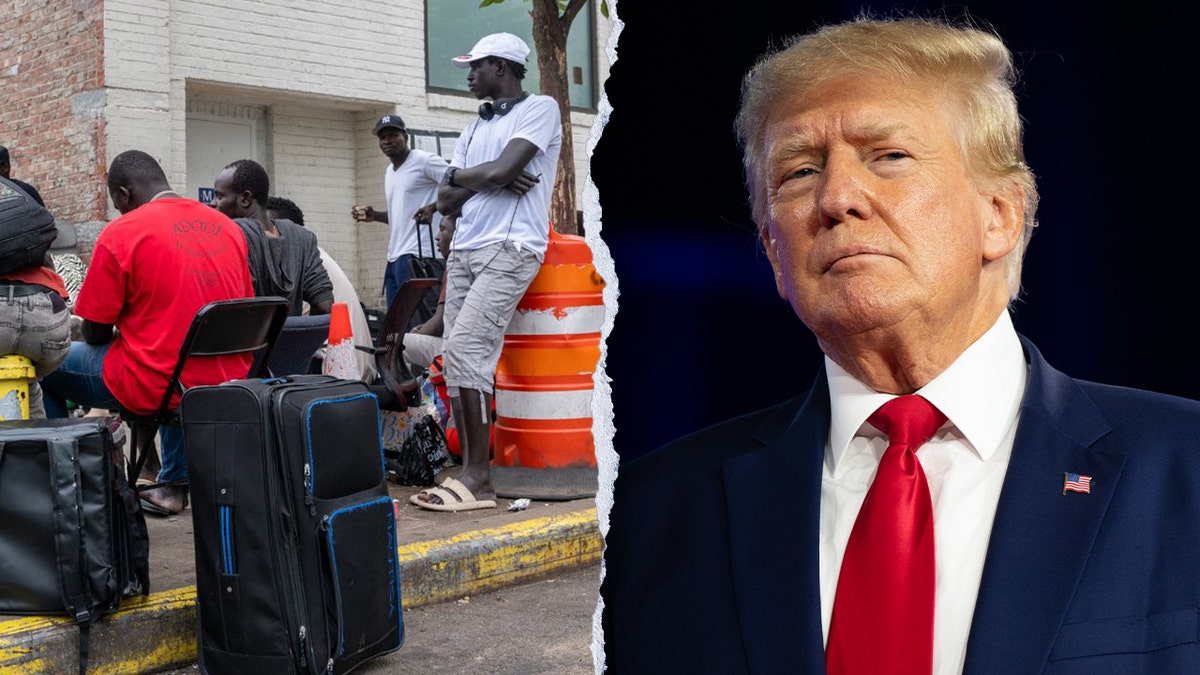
(1041, 538)
(1039, 544)
(773, 504)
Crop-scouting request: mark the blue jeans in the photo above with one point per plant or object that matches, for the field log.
(79, 380)
(395, 275)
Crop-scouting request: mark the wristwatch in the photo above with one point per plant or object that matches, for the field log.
(448, 177)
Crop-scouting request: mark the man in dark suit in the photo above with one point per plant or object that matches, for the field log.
(1048, 522)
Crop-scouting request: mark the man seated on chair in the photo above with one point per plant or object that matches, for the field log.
(152, 269)
(283, 256)
(343, 290)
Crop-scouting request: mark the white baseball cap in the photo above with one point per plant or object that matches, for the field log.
(504, 45)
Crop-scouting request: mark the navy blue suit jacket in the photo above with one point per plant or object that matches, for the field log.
(711, 557)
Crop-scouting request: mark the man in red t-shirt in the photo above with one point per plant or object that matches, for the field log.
(151, 271)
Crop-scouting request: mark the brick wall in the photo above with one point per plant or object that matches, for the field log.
(83, 80)
(52, 102)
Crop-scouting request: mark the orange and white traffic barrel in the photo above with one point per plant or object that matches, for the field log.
(551, 348)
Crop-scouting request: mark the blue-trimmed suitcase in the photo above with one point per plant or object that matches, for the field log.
(296, 567)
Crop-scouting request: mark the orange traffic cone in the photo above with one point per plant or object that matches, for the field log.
(340, 359)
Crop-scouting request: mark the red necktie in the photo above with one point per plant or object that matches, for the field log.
(883, 610)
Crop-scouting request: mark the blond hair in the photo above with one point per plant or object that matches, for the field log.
(970, 62)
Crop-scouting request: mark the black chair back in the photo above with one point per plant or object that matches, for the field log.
(219, 328)
(398, 382)
(300, 338)
(226, 327)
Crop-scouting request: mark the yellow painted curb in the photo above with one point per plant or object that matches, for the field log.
(157, 632)
(485, 560)
(149, 634)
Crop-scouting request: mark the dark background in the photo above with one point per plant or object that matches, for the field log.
(701, 335)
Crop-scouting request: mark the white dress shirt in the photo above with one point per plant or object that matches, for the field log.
(964, 462)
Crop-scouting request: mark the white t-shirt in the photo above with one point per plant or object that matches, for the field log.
(499, 215)
(408, 188)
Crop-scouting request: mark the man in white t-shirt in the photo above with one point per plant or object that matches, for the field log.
(410, 184)
(499, 184)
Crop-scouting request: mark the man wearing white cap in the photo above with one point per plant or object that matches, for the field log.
(499, 185)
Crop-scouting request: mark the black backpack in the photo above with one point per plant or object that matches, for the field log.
(26, 229)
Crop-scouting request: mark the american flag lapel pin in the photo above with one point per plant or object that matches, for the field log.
(1073, 482)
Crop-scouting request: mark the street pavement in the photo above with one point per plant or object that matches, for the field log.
(542, 627)
(444, 557)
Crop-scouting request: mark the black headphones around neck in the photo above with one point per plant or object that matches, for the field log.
(501, 106)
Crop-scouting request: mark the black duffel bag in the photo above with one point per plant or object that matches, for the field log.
(73, 539)
(26, 229)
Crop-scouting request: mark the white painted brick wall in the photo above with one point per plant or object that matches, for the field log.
(314, 166)
(138, 120)
(137, 45)
(348, 49)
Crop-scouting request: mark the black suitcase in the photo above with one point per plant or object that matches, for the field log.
(296, 565)
(72, 537)
(422, 267)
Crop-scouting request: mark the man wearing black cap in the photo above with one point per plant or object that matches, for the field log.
(411, 185)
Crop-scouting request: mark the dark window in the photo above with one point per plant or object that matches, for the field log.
(453, 26)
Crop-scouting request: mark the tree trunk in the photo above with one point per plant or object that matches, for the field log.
(550, 42)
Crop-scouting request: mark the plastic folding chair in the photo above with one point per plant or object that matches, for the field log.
(220, 328)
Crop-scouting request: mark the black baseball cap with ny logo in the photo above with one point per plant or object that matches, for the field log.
(392, 121)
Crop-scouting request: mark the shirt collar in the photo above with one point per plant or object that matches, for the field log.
(980, 393)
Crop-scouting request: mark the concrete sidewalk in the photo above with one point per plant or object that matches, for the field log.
(443, 556)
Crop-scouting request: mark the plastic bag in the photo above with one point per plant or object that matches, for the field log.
(421, 457)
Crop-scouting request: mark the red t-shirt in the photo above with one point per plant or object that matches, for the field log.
(151, 271)
(43, 276)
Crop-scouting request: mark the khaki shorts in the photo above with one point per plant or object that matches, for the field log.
(483, 288)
